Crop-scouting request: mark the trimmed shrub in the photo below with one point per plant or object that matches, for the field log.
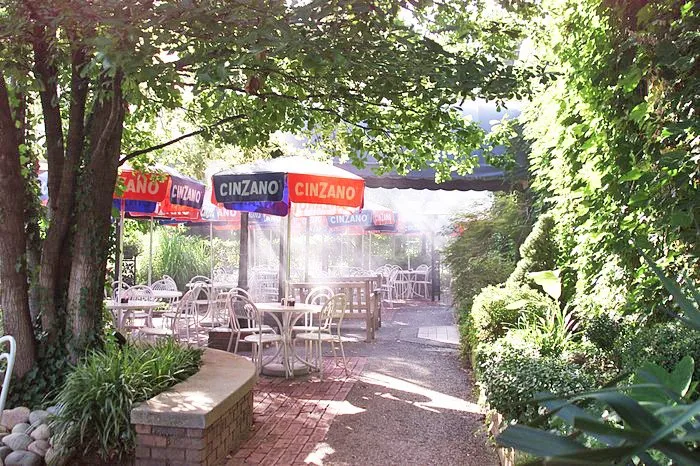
(538, 252)
(510, 380)
(485, 251)
(603, 330)
(493, 315)
(95, 403)
(663, 344)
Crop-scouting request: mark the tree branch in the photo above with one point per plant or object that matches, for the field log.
(163, 145)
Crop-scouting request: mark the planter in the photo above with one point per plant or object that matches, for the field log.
(201, 420)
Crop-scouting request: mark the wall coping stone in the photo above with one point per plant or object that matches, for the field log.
(202, 399)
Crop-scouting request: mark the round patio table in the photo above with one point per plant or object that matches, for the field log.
(124, 309)
(281, 366)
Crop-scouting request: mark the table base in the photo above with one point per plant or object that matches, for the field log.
(275, 369)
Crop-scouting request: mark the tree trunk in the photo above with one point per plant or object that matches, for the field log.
(92, 228)
(13, 267)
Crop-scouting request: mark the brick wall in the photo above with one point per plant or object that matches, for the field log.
(175, 446)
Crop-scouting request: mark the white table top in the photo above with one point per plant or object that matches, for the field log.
(132, 304)
(298, 307)
(167, 294)
(225, 285)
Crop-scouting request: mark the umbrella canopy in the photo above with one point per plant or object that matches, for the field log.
(272, 186)
(372, 217)
(164, 193)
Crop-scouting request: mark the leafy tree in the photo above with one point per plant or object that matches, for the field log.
(80, 83)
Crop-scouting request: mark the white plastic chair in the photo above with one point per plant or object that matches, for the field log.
(10, 358)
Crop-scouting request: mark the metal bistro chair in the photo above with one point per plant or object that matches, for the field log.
(183, 312)
(318, 295)
(422, 284)
(139, 293)
(244, 308)
(327, 331)
(237, 313)
(10, 358)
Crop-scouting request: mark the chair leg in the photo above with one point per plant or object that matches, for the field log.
(342, 353)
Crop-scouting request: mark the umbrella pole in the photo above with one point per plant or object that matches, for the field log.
(306, 250)
(369, 251)
(121, 244)
(211, 252)
(150, 252)
(289, 255)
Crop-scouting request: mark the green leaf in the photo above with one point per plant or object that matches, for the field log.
(639, 112)
(537, 442)
(682, 375)
(549, 281)
(630, 81)
(632, 175)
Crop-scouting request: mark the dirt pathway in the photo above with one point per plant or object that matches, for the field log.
(415, 402)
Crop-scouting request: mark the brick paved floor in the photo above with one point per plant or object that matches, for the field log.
(291, 417)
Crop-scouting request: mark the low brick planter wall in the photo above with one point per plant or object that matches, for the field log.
(201, 420)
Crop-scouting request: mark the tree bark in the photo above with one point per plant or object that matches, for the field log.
(56, 250)
(94, 200)
(13, 267)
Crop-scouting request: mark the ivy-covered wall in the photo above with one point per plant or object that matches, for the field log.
(615, 149)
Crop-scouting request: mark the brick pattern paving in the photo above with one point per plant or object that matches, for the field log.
(291, 417)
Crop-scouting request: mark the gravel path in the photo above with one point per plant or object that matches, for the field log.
(416, 400)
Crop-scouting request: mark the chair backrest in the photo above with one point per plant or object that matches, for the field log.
(422, 267)
(186, 305)
(333, 312)
(118, 288)
(242, 307)
(200, 278)
(319, 295)
(164, 284)
(139, 293)
(10, 357)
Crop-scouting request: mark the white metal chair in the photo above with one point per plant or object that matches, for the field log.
(184, 312)
(244, 308)
(319, 295)
(139, 293)
(10, 358)
(165, 284)
(423, 281)
(236, 313)
(327, 331)
(118, 288)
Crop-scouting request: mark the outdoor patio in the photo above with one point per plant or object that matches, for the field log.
(406, 400)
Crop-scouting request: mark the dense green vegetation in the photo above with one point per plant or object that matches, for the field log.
(95, 404)
(614, 150)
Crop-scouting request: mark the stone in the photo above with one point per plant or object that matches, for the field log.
(42, 432)
(4, 451)
(53, 458)
(20, 428)
(17, 441)
(38, 417)
(23, 458)
(12, 417)
(40, 447)
(52, 410)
